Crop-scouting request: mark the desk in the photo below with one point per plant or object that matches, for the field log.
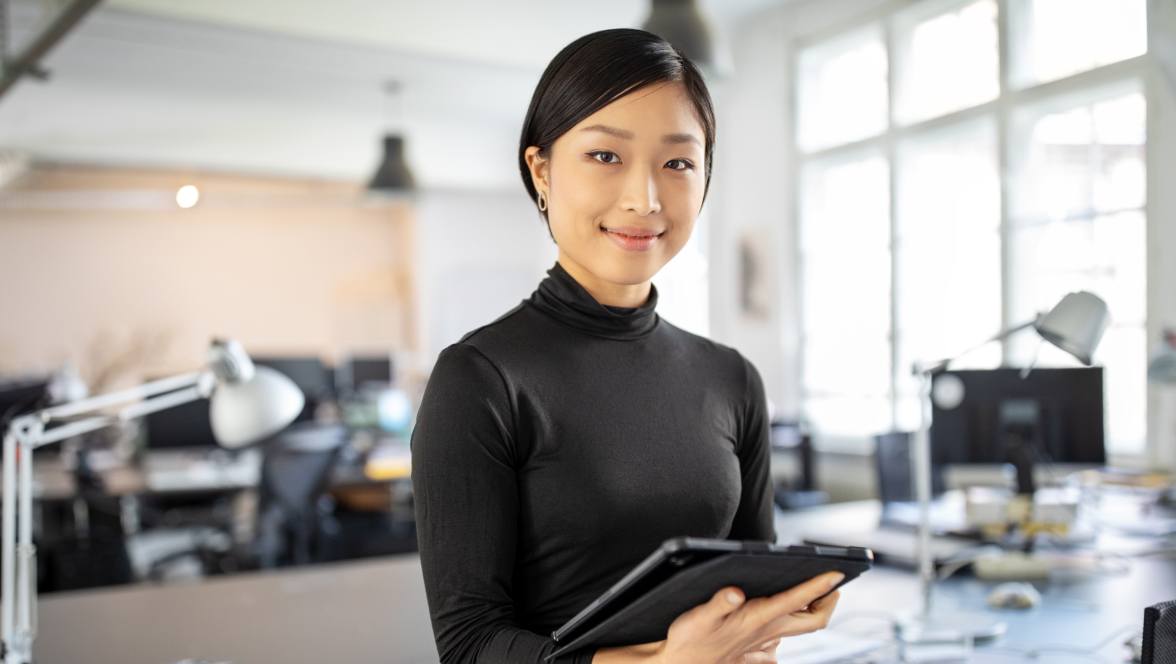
(375, 611)
(360, 611)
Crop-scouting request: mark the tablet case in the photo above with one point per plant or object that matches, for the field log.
(648, 618)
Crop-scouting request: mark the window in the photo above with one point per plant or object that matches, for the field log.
(846, 312)
(911, 250)
(843, 89)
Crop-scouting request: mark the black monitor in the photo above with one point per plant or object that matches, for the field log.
(1049, 416)
(309, 374)
(357, 371)
(184, 426)
(18, 397)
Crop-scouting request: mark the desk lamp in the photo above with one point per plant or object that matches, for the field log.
(1076, 325)
(248, 404)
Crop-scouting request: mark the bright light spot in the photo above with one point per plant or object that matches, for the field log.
(187, 196)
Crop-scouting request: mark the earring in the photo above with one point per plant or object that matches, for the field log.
(542, 202)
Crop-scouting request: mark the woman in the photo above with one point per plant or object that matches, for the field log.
(559, 445)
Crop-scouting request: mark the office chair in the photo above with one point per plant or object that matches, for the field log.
(793, 437)
(893, 469)
(295, 469)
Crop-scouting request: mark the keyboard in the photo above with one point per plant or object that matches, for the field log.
(186, 470)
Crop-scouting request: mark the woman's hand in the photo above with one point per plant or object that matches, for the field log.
(729, 629)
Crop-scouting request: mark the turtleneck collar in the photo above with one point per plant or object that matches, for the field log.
(562, 297)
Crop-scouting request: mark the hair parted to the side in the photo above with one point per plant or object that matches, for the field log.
(597, 69)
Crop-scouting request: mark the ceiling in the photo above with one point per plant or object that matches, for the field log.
(294, 87)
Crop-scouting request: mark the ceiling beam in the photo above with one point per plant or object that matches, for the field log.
(28, 62)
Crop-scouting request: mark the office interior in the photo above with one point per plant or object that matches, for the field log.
(335, 187)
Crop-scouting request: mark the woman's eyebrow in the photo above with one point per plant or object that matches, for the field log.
(626, 134)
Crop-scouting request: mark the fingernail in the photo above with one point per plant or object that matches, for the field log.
(733, 597)
(835, 579)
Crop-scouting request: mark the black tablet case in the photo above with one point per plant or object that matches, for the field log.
(648, 617)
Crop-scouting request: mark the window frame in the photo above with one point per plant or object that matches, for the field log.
(1013, 99)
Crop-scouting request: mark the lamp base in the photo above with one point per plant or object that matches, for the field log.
(944, 637)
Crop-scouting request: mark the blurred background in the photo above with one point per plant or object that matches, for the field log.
(335, 186)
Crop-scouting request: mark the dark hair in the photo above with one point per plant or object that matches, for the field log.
(595, 70)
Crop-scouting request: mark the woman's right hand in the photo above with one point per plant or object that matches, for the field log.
(729, 629)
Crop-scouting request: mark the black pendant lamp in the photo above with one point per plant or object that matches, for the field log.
(393, 174)
(682, 24)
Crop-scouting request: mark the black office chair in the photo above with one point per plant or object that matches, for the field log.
(793, 437)
(295, 471)
(892, 465)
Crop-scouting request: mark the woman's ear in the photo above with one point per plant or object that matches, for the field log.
(539, 166)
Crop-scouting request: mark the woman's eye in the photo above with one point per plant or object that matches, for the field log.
(605, 157)
(681, 165)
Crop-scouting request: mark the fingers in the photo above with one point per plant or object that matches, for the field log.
(758, 657)
(723, 603)
(825, 604)
(796, 598)
(802, 622)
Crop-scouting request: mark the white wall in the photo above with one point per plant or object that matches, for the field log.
(478, 254)
(1161, 203)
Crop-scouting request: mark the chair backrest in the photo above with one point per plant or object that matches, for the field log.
(295, 471)
(1159, 634)
(297, 465)
(894, 469)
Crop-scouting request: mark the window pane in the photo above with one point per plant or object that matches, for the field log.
(848, 416)
(946, 62)
(1105, 255)
(842, 90)
(846, 293)
(947, 253)
(1056, 38)
(1081, 160)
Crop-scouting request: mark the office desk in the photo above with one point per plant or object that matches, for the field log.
(375, 611)
(361, 611)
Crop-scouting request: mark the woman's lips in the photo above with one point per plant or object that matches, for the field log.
(632, 239)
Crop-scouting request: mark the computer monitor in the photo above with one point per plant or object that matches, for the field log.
(309, 374)
(995, 416)
(352, 374)
(21, 396)
(184, 426)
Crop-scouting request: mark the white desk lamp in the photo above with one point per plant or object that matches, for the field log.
(248, 404)
(1076, 325)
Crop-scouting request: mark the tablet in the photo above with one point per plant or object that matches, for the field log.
(684, 572)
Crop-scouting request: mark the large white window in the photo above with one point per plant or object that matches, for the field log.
(960, 171)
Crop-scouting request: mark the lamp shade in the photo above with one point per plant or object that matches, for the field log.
(393, 173)
(1162, 368)
(1075, 324)
(682, 24)
(249, 411)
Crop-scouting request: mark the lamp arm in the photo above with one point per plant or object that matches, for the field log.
(18, 594)
(936, 367)
(136, 393)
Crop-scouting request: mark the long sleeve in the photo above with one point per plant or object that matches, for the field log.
(466, 496)
(754, 518)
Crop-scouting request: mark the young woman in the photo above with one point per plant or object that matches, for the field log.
(559, 445)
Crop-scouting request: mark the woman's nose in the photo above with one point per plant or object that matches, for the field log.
(640, 195)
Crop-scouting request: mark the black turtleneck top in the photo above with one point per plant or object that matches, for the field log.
(558, 446)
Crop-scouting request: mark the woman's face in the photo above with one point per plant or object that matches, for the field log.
(624, 187)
